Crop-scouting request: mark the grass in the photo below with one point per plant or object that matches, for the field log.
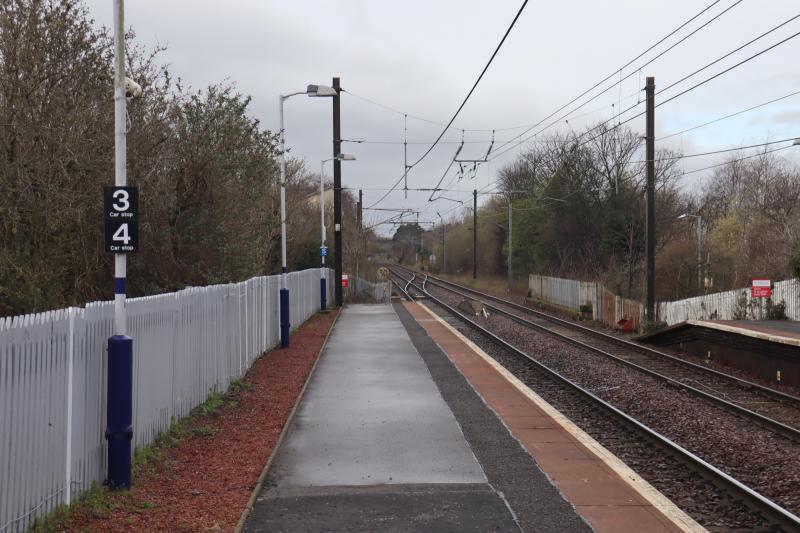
(95, 499)
(237, 385)
(212, 405)
(205, 431)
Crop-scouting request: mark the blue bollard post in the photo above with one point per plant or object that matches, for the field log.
(119, 428)
(285, 325)
(323, 294)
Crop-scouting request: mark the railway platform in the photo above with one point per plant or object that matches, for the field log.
(405, 425)
(769, 349)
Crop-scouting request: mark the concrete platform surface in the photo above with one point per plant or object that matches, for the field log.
(373, 445)
(775, 330)
(386, 508)
(372, 414)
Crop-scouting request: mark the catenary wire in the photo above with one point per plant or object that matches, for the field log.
(620, 69)
(475, 85)
(463, 103)
(731, 115)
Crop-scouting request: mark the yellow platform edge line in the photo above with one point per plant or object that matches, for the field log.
(671, 511)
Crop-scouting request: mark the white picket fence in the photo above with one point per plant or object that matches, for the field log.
(187, 345)
(726, 305)
(568, 293)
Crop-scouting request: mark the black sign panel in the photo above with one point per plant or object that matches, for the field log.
(121, 205)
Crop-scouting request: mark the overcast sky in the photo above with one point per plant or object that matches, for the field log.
(421, 57)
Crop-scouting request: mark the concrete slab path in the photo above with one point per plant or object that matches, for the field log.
(373, 445)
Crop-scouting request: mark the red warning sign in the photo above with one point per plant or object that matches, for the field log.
(762, 288)
(345, 281)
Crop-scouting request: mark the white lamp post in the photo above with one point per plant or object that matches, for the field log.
(311, 90)
(323, 249)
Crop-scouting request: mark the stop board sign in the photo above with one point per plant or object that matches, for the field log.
(762, 288)
(121, 214)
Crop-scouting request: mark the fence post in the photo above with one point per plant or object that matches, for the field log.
(70, 359)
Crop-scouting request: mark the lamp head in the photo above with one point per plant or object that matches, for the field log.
(796, 142)
(346, 157)
(320, 90)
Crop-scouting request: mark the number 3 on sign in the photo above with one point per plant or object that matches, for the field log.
(121, 235)
(121, 203)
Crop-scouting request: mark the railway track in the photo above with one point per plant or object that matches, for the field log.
(775, 410)
(714, 498)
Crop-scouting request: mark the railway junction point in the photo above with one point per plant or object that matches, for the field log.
(407, 425)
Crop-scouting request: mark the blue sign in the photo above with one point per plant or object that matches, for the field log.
(323, 251)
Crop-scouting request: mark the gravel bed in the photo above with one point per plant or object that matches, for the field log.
(719, 386)
(768, 463)
(712, 364)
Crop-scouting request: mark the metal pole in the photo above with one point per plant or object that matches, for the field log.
(360, 208)
(510, 227)
(699, 255)
(416, 244)
(651, 204)
(337, 191)
(119, 428)
(405, 154)
(358, 243)
(284, 292)
(323, 281)
(474, 234)
(444, 252)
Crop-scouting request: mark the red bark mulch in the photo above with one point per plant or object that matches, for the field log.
(200, 477)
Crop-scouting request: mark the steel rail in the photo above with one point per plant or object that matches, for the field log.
(782, 396)
(771, 509)
(402, 290)
(744, 385)
(770, 423)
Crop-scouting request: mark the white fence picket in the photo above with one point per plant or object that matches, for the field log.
(187, 345)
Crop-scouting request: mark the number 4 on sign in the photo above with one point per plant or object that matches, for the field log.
(121, 235)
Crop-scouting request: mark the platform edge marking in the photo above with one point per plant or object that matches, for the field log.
(761, 335)
(671, 511)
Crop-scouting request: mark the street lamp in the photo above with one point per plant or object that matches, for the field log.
(323, 249)
(311, 90)
(699, 249)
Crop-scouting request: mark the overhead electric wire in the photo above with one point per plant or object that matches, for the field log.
(487, 141)
(423, 119)
(731, 115)
(475, 85)
(693, 87)
(616, 71)
(745, 45)
(500, 152)
(443, 176)
(714, 152)
(760, 154)
(463, 103)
